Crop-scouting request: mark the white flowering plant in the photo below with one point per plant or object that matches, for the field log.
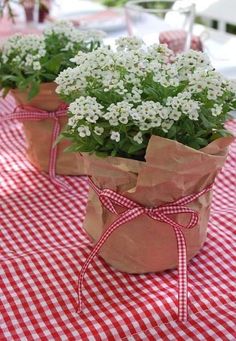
(119, 98)
(28, 60)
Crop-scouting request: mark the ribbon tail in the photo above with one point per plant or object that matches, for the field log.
(182, 276)
(123, 218)
(53, 156)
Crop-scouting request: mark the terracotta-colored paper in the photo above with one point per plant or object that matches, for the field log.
(39, 133)
(171, 171)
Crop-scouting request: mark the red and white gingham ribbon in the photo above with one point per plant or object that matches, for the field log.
(161, 213)
(35, 114)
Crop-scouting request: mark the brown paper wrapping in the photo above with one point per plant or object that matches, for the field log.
(171, 171)
(39, 133)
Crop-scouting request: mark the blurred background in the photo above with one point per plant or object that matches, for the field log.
(211, 27)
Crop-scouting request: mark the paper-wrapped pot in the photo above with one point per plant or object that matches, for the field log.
(171, 171)
(39, 133)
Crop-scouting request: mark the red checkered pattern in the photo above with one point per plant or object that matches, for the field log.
(34, 114)
(110, 198)
(44, 246)
(175, 40)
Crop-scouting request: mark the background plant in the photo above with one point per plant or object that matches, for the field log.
(28, 60)
(118, 99)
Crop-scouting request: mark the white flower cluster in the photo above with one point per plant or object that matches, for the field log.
(69, 81)
(106, 67)
(85, 108)
(122, 71)
(182, 103)
(210, 81)
(125, 43)
(24, 51)
(65, 30)
(145, 116)
(118, 113)
(148, 89)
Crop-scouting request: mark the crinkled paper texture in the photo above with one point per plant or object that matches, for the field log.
(39, 133)
(171, 171)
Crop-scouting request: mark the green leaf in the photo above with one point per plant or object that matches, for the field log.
(206, 123)
(114, 152)
(9, 78)
(135, 148)
(98, 138)
(5, 92)
(71, 148)
(58, 140)
(188, 126)
(34, 90)
(202, 142)
(224, 132)
(23, 84)
(53, 65)
(171, 132)
(49, 76)
(193, 144)
(101, 154)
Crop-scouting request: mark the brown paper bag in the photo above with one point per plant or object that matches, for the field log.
(39, 133)
(171, 171)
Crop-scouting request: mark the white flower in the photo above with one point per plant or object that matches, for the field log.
(190, 108)
(119, 112)
(135, 115)
(148, 114)
(29, 49)
(156, 122)
(123, 119)
(86, 108)
(84, 131)
(138, 138)
(174, 114)
(128, 43)
(159, 53)
(143, 90)
(66, 31)
(145, 126)
(114, 122)
(191, 60)
(193, 116)
(217, 109)
(115, 136)
(72, 122)
(98, 130)
(36, 66)
(166, 125)
(165, 112)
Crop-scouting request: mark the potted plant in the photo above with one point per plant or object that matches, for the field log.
(29, 65)
(150, 126)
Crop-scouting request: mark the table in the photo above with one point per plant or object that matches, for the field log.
(44, 246)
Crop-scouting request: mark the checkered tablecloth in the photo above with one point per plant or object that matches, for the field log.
(43, 247)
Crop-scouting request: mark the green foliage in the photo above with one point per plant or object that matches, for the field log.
(119, 99)
(114, 3)
(59, 49)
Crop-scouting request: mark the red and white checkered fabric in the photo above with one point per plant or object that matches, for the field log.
(133, 210)
(23, 113)
(44, 245)
(175, 40)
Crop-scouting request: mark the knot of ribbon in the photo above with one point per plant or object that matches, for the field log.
(162, 213)
(34, 114)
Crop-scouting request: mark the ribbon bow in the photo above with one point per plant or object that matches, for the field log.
(161, 213)
(35, 114)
